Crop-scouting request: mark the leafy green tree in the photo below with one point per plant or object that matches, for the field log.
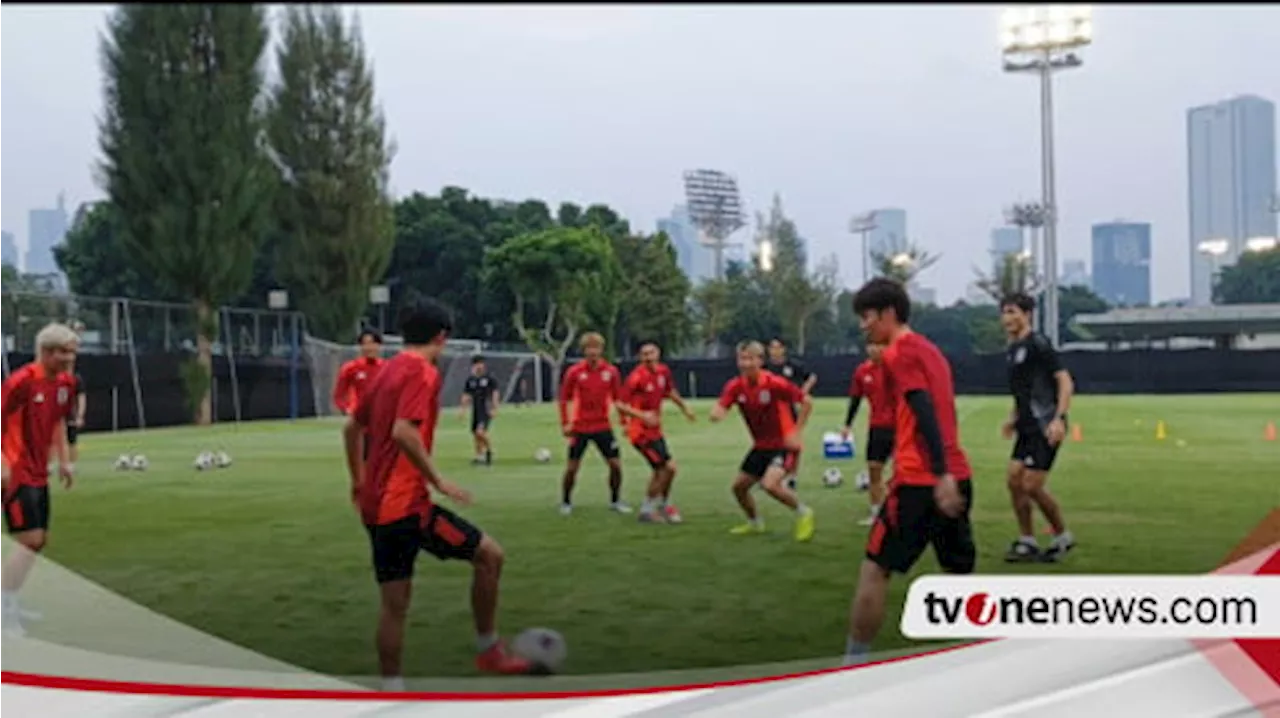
(654, 294)
(797, 295)
(1073, 300)
(903, 267)
(96, 259)
(328, 139)
(1013, 273)
(563, 280)
(1254, 279)
(712, 307)
(181, 137)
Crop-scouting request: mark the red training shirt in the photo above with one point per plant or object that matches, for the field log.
(593, 389)
(353, 378)
(407, 387)
(34, 407)
(913, 363)
(645, 390)
(869, 383)
(765, 403)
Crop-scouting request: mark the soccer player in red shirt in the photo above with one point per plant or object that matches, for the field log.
(869, 382)
(358, 373)
(929, 500)
(593, 387)
(765, 400)
(648, 385)
(35, 404)
(388, 441)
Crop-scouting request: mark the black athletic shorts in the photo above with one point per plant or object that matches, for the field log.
(879, 444)
(440, 532)
(655, 452)
(480, 421)
(758, 461)
(72, 433)
(910, 521)
(1033, 450)
(26, 508)
(605, 442)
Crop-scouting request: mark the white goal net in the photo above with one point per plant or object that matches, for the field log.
(518, 374)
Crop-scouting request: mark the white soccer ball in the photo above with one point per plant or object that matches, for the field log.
(124, 462)
(542, 647)
(863, 481)
(542, 455)
(222, 459)
(204, 461)
(140, 462)
(832, 477)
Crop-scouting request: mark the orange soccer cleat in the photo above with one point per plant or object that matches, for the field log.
(498, 660)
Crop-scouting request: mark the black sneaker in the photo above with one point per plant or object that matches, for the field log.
(488, 458)
(1022, 552)
(1057, 550)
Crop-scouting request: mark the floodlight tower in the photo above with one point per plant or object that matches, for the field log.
(716, 210)
(1030, 219)
(1042, 40)
(863, 225)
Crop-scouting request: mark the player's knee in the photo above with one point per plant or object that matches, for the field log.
(33, 541)
(1033, 482)
(671, 468)
(1015, 481)
(490, 555)
(395, 599)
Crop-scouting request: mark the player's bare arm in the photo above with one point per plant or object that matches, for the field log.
(66, 470)
(718, 413)
(648, 417)
(674, 396)
(409, 440)
(1057, 429)
(82, 406)
(494, 400)
(353, 445)
(464, 404)
(795, 440)
(947, 492)
(809, 383)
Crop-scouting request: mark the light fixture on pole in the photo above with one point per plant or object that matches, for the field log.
(1214, 249)
(1042, 40)
(715, 208)
(1030, 218)
(1261, 244)
(863, 225)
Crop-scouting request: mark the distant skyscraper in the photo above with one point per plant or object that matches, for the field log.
(1231, 180)
(923, 295)
(9, 248)
(890, 235)
(1075, 273)
(1122, 262)
(45, 230)
(1004, 241)
(694, 259)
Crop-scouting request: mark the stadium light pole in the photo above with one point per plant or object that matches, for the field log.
(1261, 244)
(1214, 249)
(1030, 219)
(715, 207)
(863, 225)
(1043, 40)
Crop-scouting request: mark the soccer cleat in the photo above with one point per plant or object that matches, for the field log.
(497, 660)
(868, 520)
(566, 509)
(488, 458)
(1058, 550)
(620, 507)
(805, 526)
(1022, 552)
(673, 515)
(649, 516)
(748, 529)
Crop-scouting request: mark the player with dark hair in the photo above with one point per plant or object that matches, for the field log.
(929, 499)
(765, 401)
(388, 440)
(783, 364)
(33, 413)
(482, 396)
(1042, 391)
(358, 373)
(648, 385)
(869, 382)
(589, 390)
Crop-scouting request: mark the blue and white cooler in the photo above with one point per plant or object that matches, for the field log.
(837, 448)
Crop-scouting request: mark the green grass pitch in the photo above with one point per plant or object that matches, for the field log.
(269, 553)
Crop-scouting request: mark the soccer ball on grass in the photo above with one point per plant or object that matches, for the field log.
(222, 459)
(832, 477)
(140, 462)
(124, 462)
(542, 647)
(542, 456)
(204, 461)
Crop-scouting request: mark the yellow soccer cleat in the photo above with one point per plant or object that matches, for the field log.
(747, 529)
(805, 526)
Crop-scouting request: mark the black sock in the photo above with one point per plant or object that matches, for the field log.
(615, 484)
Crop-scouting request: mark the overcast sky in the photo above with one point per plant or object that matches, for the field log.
(838, 109)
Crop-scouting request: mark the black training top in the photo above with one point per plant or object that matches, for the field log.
(1032, 366)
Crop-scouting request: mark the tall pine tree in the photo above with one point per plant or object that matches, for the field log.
(180, 134)
(329, 142)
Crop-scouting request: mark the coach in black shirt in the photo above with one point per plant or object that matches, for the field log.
(795, 372)
(1042, 391)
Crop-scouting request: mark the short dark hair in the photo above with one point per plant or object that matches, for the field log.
(477, 358)
(883, 293)
(1021, 300)
(648, 342)
(423, 320)
(370, 333)
(779, 340)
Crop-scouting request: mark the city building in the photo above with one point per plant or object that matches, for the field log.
(920, 294)
(694, 259)
(1075, 272)
(10, 254)
(890, 235)
(45, 230)
(1122, 263)
(1231, 183)
(1004, 241)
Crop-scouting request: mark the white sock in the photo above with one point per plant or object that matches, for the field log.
(485, 642)
(757, 521)
(1064, 538)
(875, 509)
(1029, 540)
(394, 684)
(802, 510)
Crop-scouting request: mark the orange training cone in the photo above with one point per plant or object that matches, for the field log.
(1270, 433)
(1077, 432)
